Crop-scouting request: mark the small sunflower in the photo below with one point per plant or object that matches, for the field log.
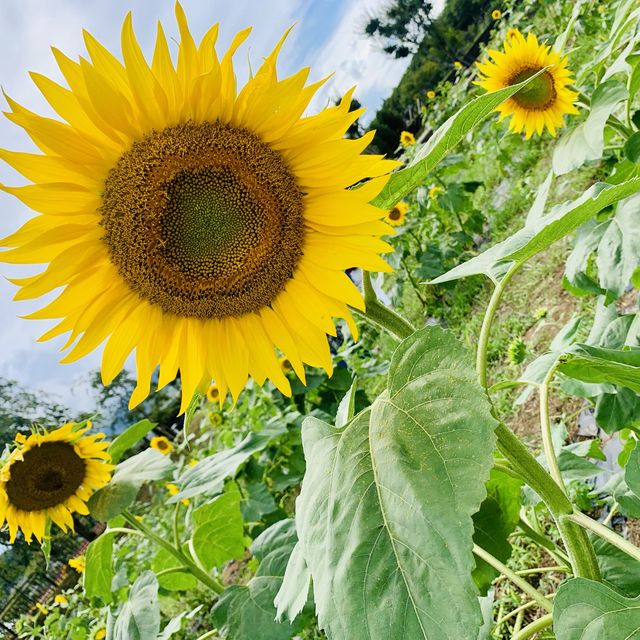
(203, 225)
(161, 444)
(50, 477)
(545, 100)
(434, 190)
(61, 600)
(407, 139)
(458, 65)
(395, 217)
(42, 609)
(431, 95)
(174, 491)
(100, 634)
(213, 393)
(77, 564)
(285, 365)
(496, 14)
(512, 33)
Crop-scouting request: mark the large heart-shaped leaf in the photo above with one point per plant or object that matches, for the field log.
(218, 533)
(585, 609)
(384, 516)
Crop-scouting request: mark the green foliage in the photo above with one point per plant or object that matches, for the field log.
(411, 459)
(223, 516)
(494, 523)
(586, 609)
(244, 609)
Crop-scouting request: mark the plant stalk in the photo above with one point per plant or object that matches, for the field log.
(605, 533)
(534, 627)
(545, 424)
(198, 573)
(381, 315)
(581, 554)
(547, 605)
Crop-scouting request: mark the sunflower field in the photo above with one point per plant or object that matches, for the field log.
(367, 396)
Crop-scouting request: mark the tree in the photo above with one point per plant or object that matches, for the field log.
(401, 27)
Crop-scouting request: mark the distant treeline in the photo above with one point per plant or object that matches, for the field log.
(405, 28)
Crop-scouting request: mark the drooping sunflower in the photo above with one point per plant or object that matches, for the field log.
(458, 65)
(51, 476)
(204, 226)
(395, 217)
(407, 139)
(545, 100)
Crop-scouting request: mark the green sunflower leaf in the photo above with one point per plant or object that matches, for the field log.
(586, 609)
(597, 365)
(541, 234)
(384, 516)
(98, 572)
(442, 142)
(218, 534)
(139, 617)
(128, 438)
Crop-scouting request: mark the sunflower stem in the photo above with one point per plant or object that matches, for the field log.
(534, 627)
(381, 315)
(176, 526)
(198, 573)
(545, 424)
(579, 547)
(522, 584)
(605, 533)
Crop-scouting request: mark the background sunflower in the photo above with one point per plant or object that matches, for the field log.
(545, 100)
(50, 477)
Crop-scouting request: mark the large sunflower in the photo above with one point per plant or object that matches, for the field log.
(51, 476)
(545, 100)
(205, 227)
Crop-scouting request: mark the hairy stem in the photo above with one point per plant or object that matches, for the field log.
(198, 573)
(534, 627)
(581, 554)
(545, 424)
(522, 584)
(605, 533)
(485, 331)
(381, 315)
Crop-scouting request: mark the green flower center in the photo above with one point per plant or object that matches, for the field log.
(539, 94)
(48, 475)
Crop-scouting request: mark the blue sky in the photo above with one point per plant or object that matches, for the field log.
(327, 37)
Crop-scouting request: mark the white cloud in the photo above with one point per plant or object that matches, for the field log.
(357, 59)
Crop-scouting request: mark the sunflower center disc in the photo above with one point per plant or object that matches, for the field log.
(48, 475)
(539, 94)
(204, 220)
